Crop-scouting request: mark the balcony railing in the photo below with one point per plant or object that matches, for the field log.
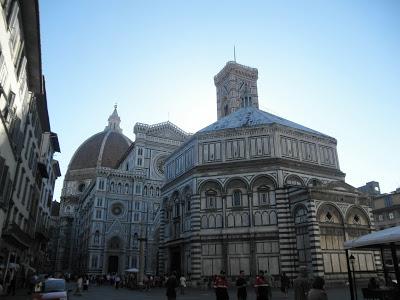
(15, 235)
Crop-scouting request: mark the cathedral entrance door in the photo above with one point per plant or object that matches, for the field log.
(176, 260)
(113, 264)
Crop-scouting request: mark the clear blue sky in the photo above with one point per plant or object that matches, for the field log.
(333, 66)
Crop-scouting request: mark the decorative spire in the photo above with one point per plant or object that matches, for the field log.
(114, 120)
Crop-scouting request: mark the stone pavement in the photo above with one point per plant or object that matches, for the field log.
(109, 293)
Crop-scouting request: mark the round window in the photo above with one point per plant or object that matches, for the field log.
(117, 209)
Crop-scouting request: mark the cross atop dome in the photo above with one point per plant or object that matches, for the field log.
(114, 120)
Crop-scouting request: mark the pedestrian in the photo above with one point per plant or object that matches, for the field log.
(241, 286)
(221, 287)
(79, 284)
(301, 284)
(85, 283)
(285, 284)
(13, 283)
(117, 281)
(317, 292)
(269, 281)
(171, 285)
(32, 283)
(183, 284)
(261, 286)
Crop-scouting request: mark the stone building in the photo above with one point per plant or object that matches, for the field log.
(111, 199)
(27, 144)
(386, 210)
(255, 191)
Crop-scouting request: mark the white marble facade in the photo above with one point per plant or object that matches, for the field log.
(242, 193)
(110, 209)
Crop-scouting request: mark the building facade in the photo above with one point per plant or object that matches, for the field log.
(27, 144)
(254, 191)
(108, 214)
(386, 210)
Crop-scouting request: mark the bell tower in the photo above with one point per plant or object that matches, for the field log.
(236, 88)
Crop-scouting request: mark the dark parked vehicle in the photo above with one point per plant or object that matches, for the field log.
(50, 289)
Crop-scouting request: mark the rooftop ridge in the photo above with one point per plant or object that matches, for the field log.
(142, 127)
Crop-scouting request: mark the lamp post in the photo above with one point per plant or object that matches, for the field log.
(352, 260)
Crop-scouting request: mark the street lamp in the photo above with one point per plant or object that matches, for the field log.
(352, 261)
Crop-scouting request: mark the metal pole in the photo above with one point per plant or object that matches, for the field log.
(349, 276)
(354, 277)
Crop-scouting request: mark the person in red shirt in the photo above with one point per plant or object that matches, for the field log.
(221, 287)
(261, 286)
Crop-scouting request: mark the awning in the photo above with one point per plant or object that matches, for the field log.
(376, 239)
(132, 270)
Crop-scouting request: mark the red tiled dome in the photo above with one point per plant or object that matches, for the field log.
(102, 149)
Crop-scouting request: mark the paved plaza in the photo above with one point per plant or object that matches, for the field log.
(109, 293)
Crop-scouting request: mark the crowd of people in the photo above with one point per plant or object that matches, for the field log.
(264, 282)
(304, 287)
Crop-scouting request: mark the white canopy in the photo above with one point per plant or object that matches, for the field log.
(381, 237)
(132, 270)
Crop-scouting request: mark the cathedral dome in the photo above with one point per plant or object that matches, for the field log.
(104, 149)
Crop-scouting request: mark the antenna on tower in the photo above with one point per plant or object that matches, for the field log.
(234, 53)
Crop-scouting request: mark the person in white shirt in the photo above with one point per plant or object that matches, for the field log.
(183, 284)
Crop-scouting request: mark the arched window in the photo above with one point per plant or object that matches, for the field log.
(126, 188)
(112, 187)
(218, 221)
(272, 218)
(119, 187)
(151, 191)
(177, 209)
(302, 236)
(211, 199)
(157, 191)
(226, 110)
(187, 202)
(300, 215)
(135, 240)
(211, 222)
(204, 222)
(237, 198)
(257, 219)
(97, 237)
(145, 190)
